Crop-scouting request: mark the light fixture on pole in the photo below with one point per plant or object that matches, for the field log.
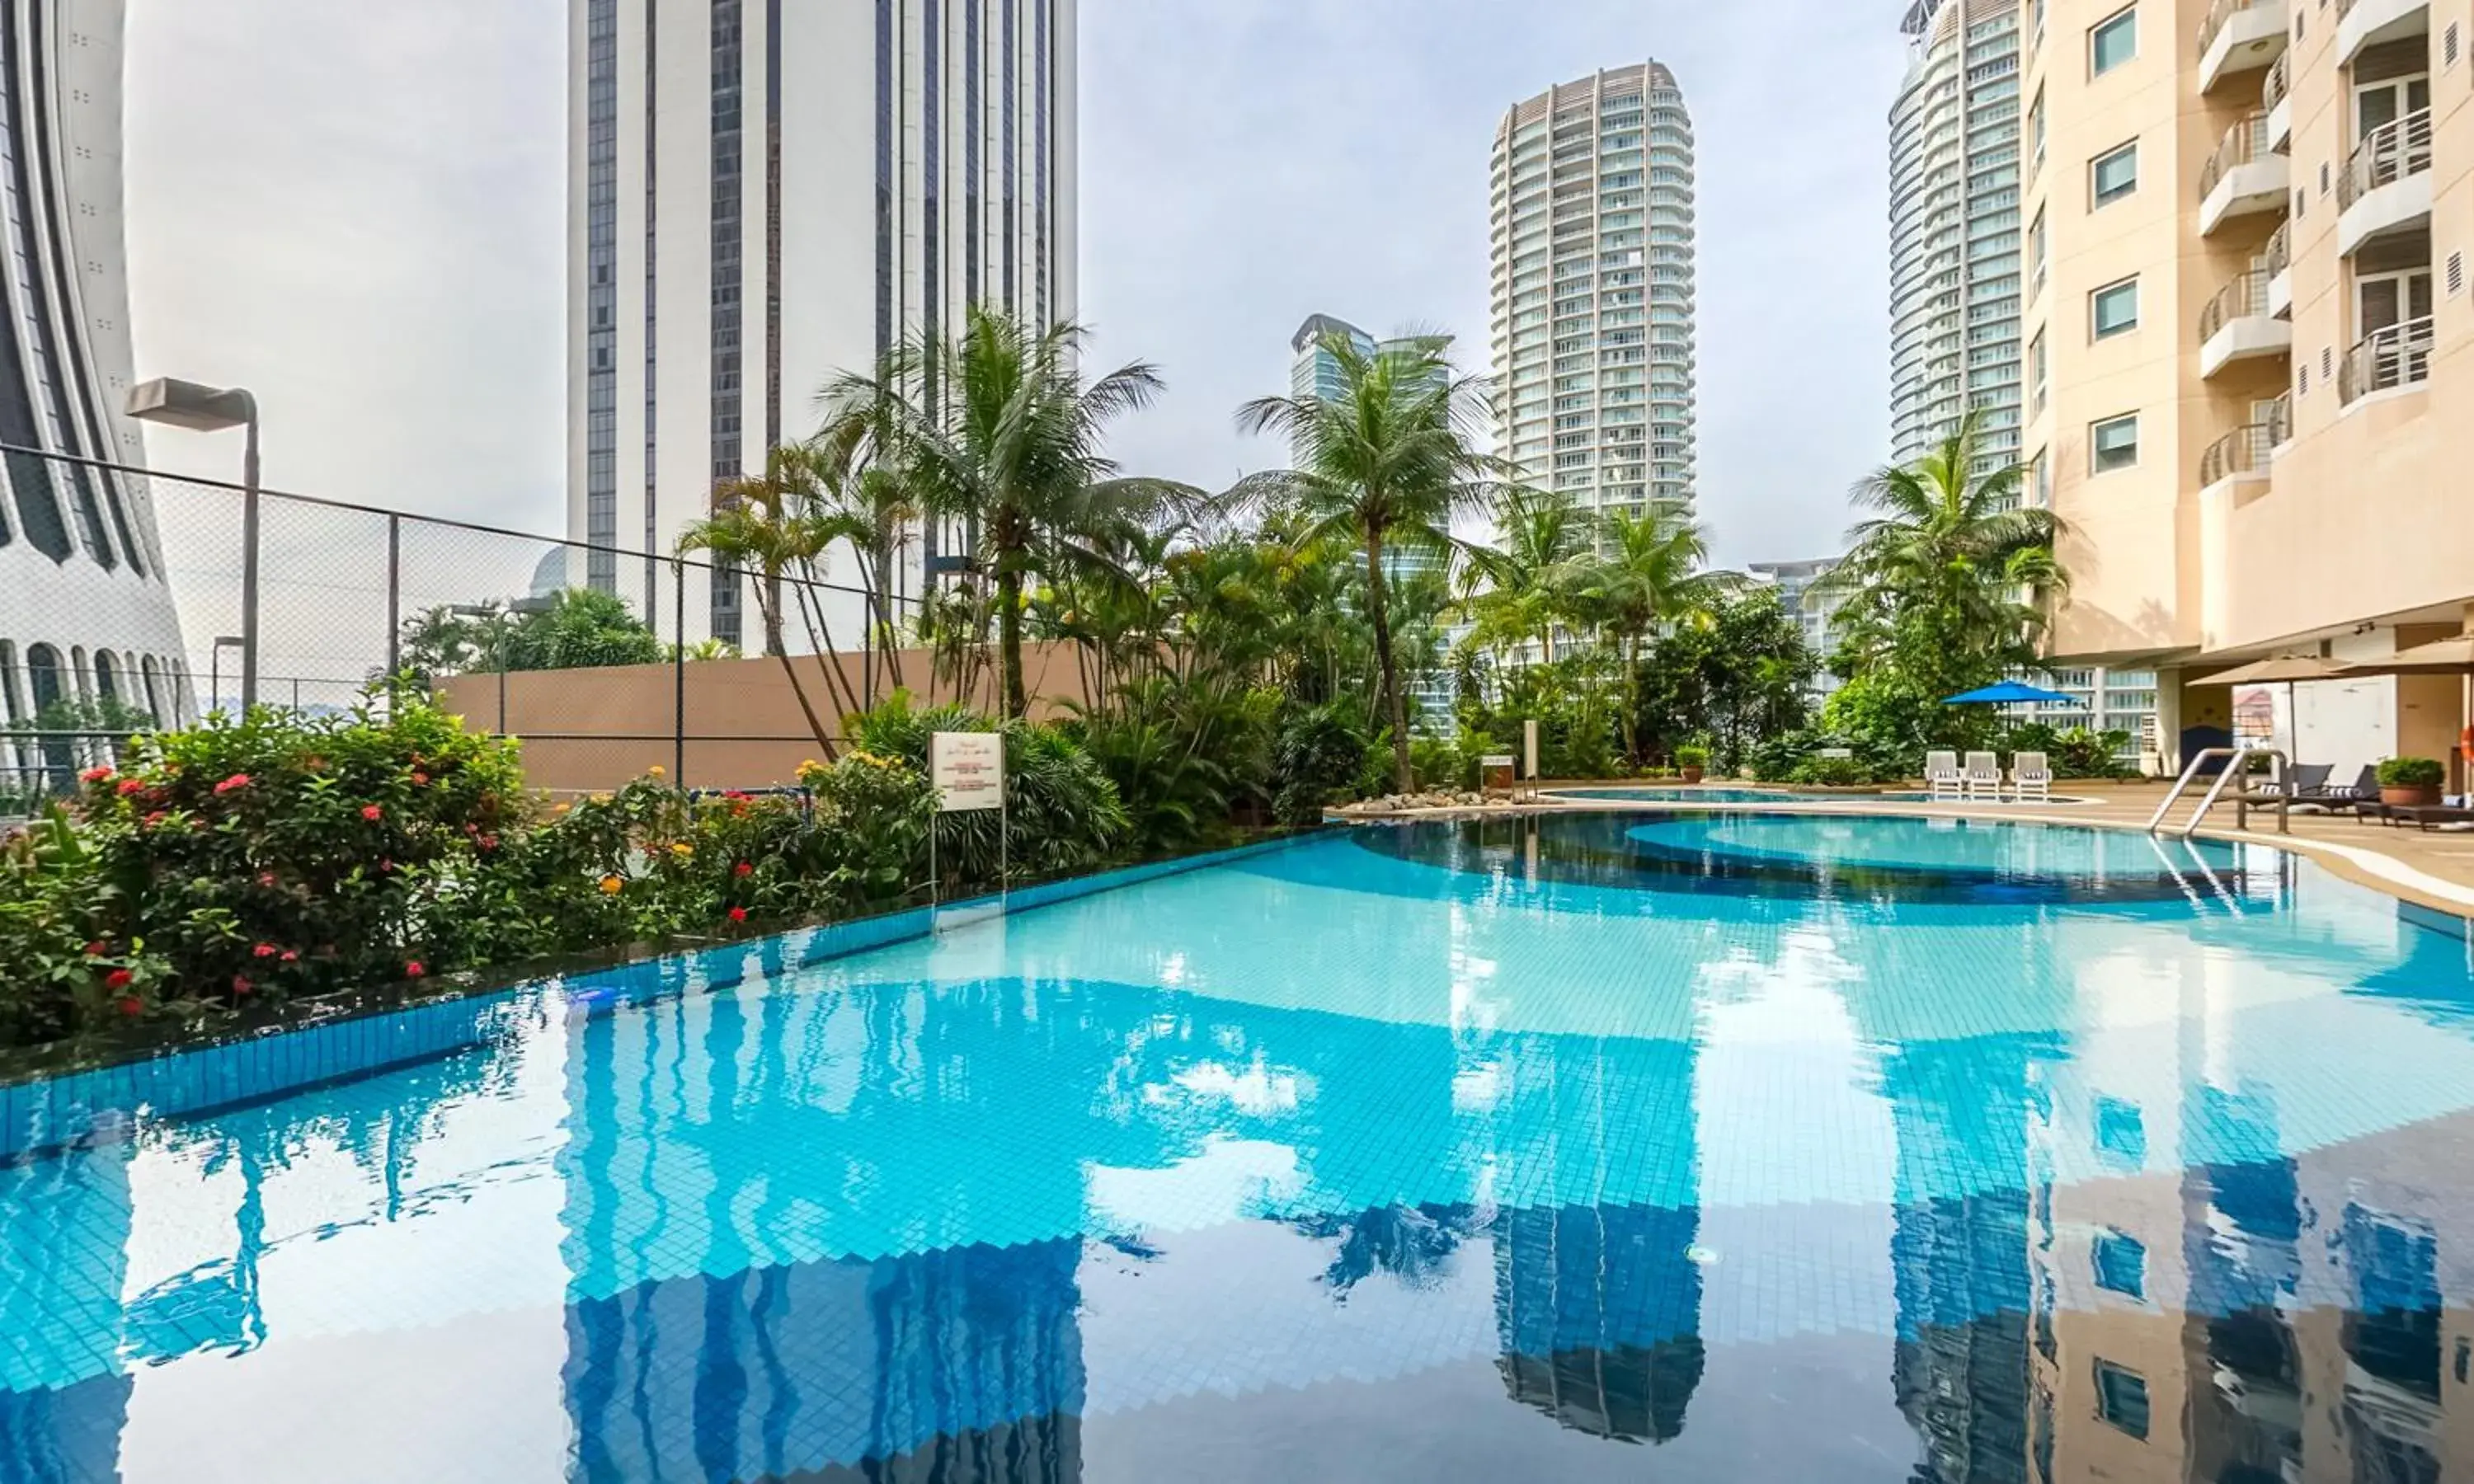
(205, 409)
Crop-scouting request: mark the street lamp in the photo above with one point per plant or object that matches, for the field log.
(215, 666)
(205, 409)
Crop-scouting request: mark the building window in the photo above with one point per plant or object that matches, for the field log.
(2114, 444)
(2122, 1398)
(2113, 174)
(2036, 134)
(2113, 41)
(2036, 374)
(2037, 254)
(2121, 1263)
(2113, 309)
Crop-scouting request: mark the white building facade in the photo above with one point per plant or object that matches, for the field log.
(764, 194)
(85, 612)
(1955, 230)
(1593, 297)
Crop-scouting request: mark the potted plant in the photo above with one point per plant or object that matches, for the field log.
(2411, 781)
(1693, 759)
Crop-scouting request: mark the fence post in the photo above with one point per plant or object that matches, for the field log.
(679, 672)
(395, 605)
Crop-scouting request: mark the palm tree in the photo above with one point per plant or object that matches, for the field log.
(998, 429)
(1525, 585)
(763, 523)
(870, 504)
(1648, 575)
(1386, 463)
(1953, 565)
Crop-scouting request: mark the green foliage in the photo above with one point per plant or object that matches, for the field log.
(1318, 756)
(2073, 752)
(1831, 773)
(2411, 772)
(580, 629)
(1062, 811)
(1692, 754)
(1739, 672)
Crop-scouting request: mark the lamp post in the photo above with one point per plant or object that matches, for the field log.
(205, 409)
(215, 666)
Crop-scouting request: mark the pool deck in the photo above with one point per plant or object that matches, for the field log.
(2435, 868)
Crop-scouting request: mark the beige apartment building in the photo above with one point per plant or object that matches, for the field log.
(2249, 395)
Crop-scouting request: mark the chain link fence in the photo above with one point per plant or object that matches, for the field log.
(117, 635)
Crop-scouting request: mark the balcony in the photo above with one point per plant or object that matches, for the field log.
(2386, 185)
(2238, 36)
(2278, 261)
(2389, 359)
(2245, 177)
(2241, 454)
(2238, 327)
(2276, 96)
(2361, 23)
(2280, 420)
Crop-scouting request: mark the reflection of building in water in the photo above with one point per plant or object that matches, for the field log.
(960, 1364)
(1598, 1307)
(64, 1226)
(1958, 1253)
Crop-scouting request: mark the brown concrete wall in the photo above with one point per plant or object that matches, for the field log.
(587, 730)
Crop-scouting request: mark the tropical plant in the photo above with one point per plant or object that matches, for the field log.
(764, 524)
(996, 430)
(1734, 666)
(1061, 812)
(1947, 581)
(1529, 585)
(2411, 772)
(1386, 463)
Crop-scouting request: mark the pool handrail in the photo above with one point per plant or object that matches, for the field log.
(2216, 790)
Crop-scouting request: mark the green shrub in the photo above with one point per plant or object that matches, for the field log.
(1439, 764)
(1691, 755)
(2413, 773)
(1319, 757)
(1062, 811)
(1831, 772)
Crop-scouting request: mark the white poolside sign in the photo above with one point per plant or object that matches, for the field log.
(968, 769)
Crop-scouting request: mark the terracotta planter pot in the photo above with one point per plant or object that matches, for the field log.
(2410, 796)
(1691, 775)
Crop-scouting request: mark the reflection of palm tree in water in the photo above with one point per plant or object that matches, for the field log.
(1409, 1243)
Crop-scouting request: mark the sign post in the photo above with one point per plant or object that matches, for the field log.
(1529, 755)
(967, 771)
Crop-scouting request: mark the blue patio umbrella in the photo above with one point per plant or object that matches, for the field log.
(2011, 693)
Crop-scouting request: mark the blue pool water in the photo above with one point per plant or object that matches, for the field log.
(1713, 1146)
(1720, 795)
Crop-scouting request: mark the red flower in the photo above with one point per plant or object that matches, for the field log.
(373, 813)
(264, 950)
(414, 969)
(292, 956)
(418, 780)
(97, 949)
(95, 774)
(130, 787)
(488, 841)
(241, 984)
(742, 871)
(132, 1005)
(266, 878)
(118, 979)
(236, 781)
(153, 819)
(738, 914)
(386, 866)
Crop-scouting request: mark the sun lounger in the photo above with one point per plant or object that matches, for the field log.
(1942, 778)
(1982, 776)
(2031, 776)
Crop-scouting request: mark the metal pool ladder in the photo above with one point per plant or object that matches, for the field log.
(2225, 775)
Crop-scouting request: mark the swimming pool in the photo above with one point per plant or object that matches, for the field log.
(1720, 795)
(1593, 1145)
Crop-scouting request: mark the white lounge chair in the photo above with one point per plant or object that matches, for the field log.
(1981, 777)
(2031, 776)
(1941, 775)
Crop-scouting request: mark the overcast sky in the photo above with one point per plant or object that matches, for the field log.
(357, 209)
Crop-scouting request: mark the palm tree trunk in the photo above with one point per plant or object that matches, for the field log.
(798, 687)
(1394, 707)
(1009, 636)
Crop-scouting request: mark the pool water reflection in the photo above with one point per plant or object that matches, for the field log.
(1714, 1147)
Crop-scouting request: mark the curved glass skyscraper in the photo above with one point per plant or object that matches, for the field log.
(1954, 242)
(84, 615)
(1593, 301)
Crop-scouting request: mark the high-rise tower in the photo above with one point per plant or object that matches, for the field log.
(1955, 223)
(84, 615)
(766, 193)
(1593, 298)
